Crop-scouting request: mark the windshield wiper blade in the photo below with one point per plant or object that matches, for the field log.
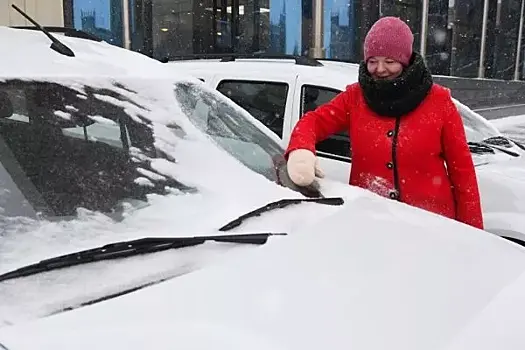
(480, 148)
(56, 44)
(488, 148)
(498, 141)
(519, 144)
(126, 249)
(279, 205)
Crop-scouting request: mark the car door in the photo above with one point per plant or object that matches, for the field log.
(269, 99)
(334, 153)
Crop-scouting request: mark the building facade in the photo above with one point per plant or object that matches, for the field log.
(463, 38)
(48, 12)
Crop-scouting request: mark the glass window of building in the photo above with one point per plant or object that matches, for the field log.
(502, 37)
(187, 27)
(345, 24)
(438, 39)
(340, 30)
(407, 10)
(466, 19)
(102, 18)
(167, 28)
(175, 28)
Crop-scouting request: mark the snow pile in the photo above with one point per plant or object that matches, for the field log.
(512, 127)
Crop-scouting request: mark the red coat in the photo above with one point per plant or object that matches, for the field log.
(404, 158)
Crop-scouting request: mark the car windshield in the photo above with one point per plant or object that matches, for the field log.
(66, 147)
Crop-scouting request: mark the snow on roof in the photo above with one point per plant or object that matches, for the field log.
(333, 73)
(28, 53)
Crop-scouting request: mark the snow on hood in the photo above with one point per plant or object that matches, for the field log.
(500, 324)
(360, 279)
(502, 185)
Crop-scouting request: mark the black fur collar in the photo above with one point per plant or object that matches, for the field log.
(395, 98)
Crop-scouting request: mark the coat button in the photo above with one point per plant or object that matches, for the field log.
(389, 165)
(393, 195)
(390, 133)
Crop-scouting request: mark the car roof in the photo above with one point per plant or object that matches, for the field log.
(339, 74)
(331, 74)
(28, 54)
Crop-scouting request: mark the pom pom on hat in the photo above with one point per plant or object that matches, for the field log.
(389, 37)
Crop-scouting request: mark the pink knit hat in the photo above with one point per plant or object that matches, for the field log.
(389, 37)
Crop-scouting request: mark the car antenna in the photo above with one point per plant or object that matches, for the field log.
(56, 44)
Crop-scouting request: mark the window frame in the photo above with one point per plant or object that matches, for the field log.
(261, 82)
(329, 155)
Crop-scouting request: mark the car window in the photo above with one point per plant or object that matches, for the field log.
(68, 148)
(266, 101)
(338, 144)
(229, 128)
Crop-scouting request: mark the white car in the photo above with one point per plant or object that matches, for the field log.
(277, 91)
(127, 222)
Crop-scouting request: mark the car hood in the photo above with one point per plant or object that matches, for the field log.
(502, 185)
(200, 214)
(376, 275)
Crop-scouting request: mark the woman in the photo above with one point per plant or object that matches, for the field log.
(407, 137)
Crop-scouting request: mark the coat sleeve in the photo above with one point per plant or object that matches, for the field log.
(460, 167)
(319, 124)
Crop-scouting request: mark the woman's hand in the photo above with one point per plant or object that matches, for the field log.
(303, 167)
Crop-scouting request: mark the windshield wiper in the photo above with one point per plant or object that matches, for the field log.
(519, 144)
(480, 148)
(126, 249)
(56, 44)
(278, 205)
(498, 141)
(484, 147)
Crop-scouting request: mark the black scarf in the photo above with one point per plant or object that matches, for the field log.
(397, 97)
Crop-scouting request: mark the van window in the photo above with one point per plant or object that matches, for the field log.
(266, 101)
(338, 145)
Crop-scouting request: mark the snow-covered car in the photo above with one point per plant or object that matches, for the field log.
(101, 145)
(134, 202)
(277, 91)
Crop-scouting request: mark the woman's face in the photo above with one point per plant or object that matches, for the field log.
(384, 68)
